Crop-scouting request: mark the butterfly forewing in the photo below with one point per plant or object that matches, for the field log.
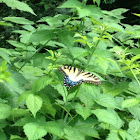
(74, 76)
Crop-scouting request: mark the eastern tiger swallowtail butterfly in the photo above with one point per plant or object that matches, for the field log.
(74, 76)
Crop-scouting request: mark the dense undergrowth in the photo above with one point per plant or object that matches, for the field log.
(34, 104)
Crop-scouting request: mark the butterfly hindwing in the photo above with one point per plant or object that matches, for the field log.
(74, 76)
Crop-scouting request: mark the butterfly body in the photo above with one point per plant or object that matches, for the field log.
(74, 76)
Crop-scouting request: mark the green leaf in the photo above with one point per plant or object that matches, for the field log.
(73, 134)
(135, 111)
(38, 59)
(41, 35)
(134, 58)
(34, 131)
(87, 127)
(77, 52)
(89, 10)
(61, 90)
(109, 117)
(134, 86)
(41, 83)
(71, 4)
(15, 4)
(47, 107)
(17, 112)
(5, 24)
(4, 111)
(113, 136)
(55, 128)
(34, 103)
(19, 20)
(114, 90)
(85, 112)
(3, 135)
(5, 56)
(130, 102)
(106, 101)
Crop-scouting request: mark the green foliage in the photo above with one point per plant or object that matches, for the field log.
(33, 102)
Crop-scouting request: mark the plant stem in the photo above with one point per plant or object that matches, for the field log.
(89, 59)
(33, 55)
(135, 76)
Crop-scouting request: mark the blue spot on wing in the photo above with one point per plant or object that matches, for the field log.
(69, 83)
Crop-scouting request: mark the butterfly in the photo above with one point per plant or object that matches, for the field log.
(74, 76)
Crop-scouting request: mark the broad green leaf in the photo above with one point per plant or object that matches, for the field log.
(89, 10)
(3, 123)
(109, 117)
(47, 107)
(106, 101)
(42, 35)
(61, 90)
(85, 112)
(34, 131)
(85, 98)
(66, 37)
(116, 27)
(18, 20)
(73, 134)
(134, 86)
(129, 102)
(114, 90)
(135, 111)
(3, 135)
(55, 128)
(87, 127)
(15, 4)
(41, 83)
(34, 103)
(17, 112)
(113, 136)
(77, 52)
(17, 44)
(90, 89)
(4, 111)
(71, 4)
(38, 59)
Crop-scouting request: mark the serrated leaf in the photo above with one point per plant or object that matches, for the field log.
(113, 136)
(129, 102)
(34, 103)
(55, 128)
(34, 131)
(15, 4)
(4, 111)
(19, 20)
(108, 116)
(41, 83)
(85, 112)
(106, 101)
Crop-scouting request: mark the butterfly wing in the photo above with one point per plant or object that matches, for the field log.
(71, 79)
(74, 76)
(90, 78)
